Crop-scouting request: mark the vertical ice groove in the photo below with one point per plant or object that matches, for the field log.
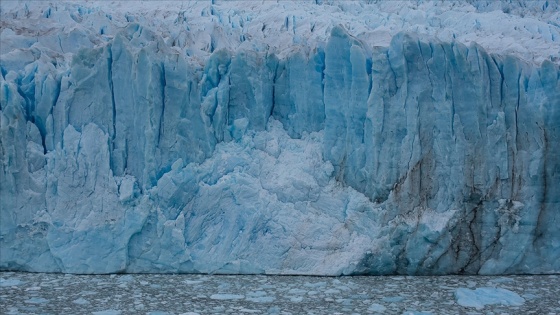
(163, 85)
(272, 98)
(113, 131)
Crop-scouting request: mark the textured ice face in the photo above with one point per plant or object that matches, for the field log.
(129, 148)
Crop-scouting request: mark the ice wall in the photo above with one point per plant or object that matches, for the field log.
(420, 157)
(444, 128)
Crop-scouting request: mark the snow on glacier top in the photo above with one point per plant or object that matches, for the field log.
(529, 30)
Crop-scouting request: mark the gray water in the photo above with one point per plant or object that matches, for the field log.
(28, 293)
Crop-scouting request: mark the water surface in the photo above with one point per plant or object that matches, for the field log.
(29, 293)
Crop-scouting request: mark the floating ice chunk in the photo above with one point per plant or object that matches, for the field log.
(37, 300)
(297, 291)
(315, 285)
(393, 299)
(80, 301)
(33, 288)
(227, 297)
(10, 282)
(502, 280)
(274, 310)
(107, 312)
(377, 308)
(530, 296)
(481, 297)
(256, 294)
(126, 278)
(261, 299)
(332, 291)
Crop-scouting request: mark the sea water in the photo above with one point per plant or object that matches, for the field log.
(36, 293)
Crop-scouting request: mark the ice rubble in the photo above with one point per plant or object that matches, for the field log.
(280, 138)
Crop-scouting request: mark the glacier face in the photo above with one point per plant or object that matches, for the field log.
(127, 149)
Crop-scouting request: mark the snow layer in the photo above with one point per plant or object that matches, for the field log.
(280, 138)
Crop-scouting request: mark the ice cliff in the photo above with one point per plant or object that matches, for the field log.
(280, 138)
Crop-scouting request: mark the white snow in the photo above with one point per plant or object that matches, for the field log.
(199, 27)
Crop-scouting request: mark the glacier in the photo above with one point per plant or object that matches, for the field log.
(285, 138)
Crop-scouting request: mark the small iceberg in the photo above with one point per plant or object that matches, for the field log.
(480, 297)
